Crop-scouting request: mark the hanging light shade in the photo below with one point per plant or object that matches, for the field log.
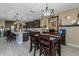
(47, 12)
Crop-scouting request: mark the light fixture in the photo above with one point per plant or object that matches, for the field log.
(16, 16)
(47, 12)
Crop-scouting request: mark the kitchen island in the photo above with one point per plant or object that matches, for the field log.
(21, 36)
(1, 32)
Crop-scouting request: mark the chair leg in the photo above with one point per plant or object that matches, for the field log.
(34, 50)
(40, 52)
(10, 40)
(54, 51)
(30, 47)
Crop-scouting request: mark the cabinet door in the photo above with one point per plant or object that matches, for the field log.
(63, 40)
(37, 23)
(8, 24)
(33, 24)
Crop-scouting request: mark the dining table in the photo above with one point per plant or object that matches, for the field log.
(52, 37)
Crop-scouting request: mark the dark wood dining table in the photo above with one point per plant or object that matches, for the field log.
(52, 50)
(52, 46)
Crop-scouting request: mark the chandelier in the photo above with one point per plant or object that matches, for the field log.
(47, 12)
(16, 16)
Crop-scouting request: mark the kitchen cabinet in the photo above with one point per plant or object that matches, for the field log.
(33, 24)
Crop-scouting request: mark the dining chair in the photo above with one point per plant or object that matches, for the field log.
(44, 45)
(34, 42)
(49, 45)
(10, 36)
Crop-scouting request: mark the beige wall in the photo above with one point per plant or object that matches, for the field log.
(72, 33)
(72, 13)
(2, 23)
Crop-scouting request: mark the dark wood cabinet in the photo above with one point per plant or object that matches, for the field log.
(25, 37)
(63, 38)
(33, 24)
(8, 24)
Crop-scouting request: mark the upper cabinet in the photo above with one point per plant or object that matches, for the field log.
(33, 24)
(8, 24)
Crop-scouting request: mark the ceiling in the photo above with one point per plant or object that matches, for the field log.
(31, 11)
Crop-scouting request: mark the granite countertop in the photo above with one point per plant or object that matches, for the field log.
(19, 32)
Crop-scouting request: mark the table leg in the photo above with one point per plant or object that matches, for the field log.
(52, 50)
(59, 48)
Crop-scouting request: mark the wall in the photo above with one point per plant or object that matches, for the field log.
(2, 23)
(72, 13)
(72, 33)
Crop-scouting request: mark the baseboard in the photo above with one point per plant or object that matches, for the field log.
(72, 45)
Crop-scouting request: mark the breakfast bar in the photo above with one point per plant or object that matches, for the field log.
(20, 37)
